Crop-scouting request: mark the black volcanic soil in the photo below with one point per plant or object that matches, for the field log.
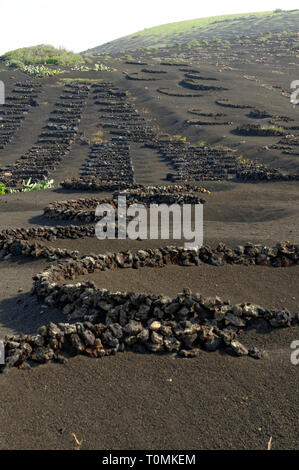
(133, 401)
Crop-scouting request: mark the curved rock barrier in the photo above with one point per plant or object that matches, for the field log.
(168, 92)
(194, 76)
(198, 112)
(136, 76)
(282, 255)
(46, 233)
(154, 324)
(153, 71)
(22, 241)
(257, 130)
(174, 64)
(227, 104)
(188, 70)
(135, 62)
(17, 247)
(83, 209)
(192, 85)
(189, 122)
(86, 184)
(259, 114)
(114, 322)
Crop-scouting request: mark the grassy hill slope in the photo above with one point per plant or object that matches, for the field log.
(224, 27)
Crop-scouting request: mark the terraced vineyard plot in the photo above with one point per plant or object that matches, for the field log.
(14, 111)
(207, 163)
(55, 141)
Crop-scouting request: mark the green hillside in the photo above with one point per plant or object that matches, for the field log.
(224, 27)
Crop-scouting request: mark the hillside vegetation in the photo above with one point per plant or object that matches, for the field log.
(41, 55)
(223, 27)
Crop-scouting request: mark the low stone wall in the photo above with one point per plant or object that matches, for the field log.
(228, 104)
(34, 250)
(183, 326)
(89, 184)
(169, 92)
(192, 85)
(83, 209)
(46, 233)
(114, 322)
(19, 241)
(257, 130)
(282, 255)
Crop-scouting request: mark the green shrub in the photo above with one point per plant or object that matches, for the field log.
(41, 55)
(27, 186)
